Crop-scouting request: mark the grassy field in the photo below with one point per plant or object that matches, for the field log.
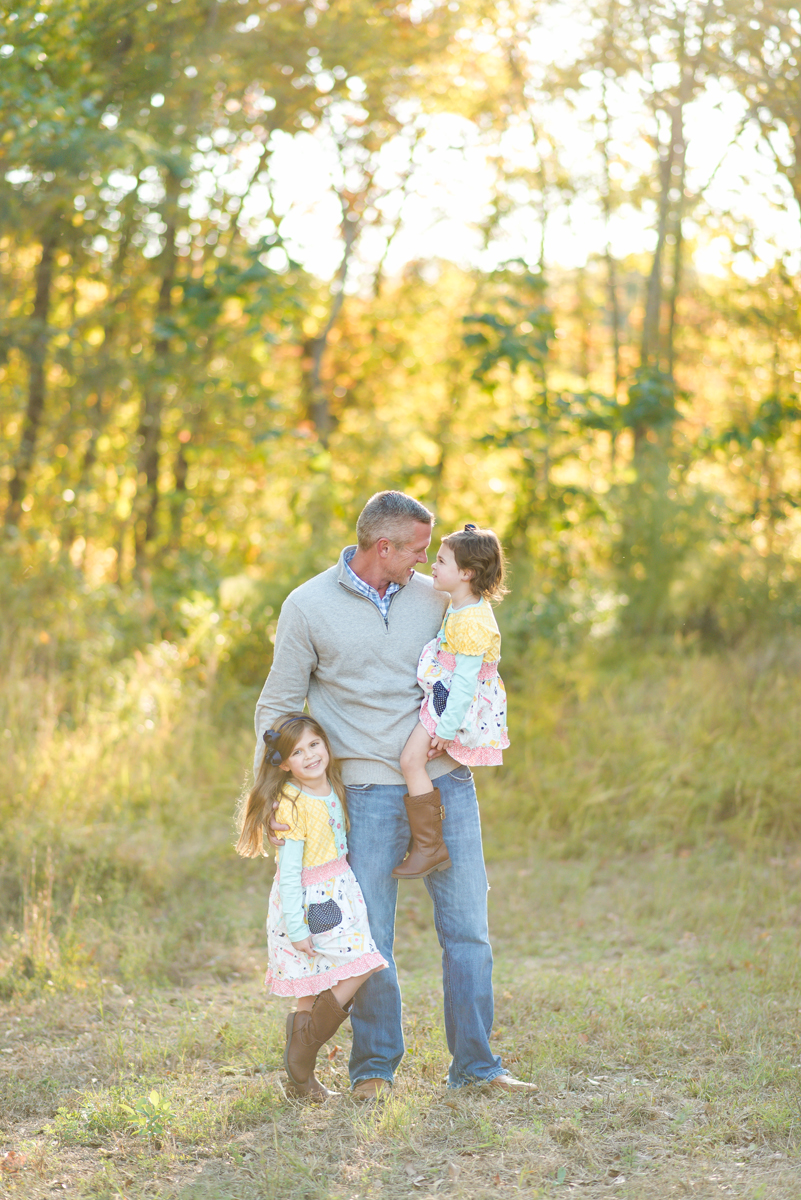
(643, 845)
(654, 999)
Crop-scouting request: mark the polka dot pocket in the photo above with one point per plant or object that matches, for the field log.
(322, 917)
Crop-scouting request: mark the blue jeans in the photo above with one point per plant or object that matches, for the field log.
(378, 839)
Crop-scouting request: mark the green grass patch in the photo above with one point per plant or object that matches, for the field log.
(645, 903)
(654, 999)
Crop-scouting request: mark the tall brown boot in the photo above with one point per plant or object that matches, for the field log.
(427, 852)
(305, 1034)
(308, 1088)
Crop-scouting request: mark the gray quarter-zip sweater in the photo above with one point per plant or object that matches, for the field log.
(357, 672)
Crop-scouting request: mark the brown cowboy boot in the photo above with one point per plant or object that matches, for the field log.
(305, 1034)
(427, 852)
(309, 1088)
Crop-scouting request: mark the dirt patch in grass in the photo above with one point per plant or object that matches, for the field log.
(655, 1001)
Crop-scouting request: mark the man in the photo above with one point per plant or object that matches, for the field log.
(348, 643)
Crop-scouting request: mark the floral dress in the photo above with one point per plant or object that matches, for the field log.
(465, 700)
(315, 894)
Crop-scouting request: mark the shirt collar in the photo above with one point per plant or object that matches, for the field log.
(362, 584)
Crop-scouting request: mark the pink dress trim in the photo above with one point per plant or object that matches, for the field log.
(488, 669)
(478, 756)
(310, 875)
(314, 984)
(329, 870)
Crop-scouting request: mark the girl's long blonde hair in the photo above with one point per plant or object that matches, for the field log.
(272, 783)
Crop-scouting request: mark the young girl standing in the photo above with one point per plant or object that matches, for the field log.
(320, 946)
(464, 708)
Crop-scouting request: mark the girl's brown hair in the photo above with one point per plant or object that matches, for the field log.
(272, 783)
(479, 551)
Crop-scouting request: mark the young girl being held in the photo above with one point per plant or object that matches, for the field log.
(464, 708)
(320, 946)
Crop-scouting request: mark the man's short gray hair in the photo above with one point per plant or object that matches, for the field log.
(388, 515)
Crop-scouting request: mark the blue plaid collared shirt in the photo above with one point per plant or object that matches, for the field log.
(364, 589)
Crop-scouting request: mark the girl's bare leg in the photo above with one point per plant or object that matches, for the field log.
(306, 1003)
(346, 989)
(413, 759)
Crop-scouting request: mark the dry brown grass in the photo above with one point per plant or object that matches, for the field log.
(663, 748)
(654, 1000)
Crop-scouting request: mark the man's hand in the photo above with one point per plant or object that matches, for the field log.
(438, 746)
(305, 946)
(273, 825)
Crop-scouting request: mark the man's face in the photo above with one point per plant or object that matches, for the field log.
(402, 556)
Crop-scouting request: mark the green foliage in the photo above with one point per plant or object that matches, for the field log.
(522, 335)
(651, 401)
(185, 404)
(771, 421)
(151, 1115)
(98, 1115)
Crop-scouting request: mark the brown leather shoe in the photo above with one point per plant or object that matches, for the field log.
(368, 1091)
(427, 852)
(508, 1083)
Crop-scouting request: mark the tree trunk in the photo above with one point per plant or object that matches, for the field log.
(315, 396)
(676, 280)
(378, 277)
(655, 348)
(37, 383)
(678, 179)
(583, 315)
(101, 410)
(650, 349)
(611, 266)
(149, 433)
(180, 470)
(442, 437)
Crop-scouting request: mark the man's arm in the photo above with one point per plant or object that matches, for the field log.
(294, 661)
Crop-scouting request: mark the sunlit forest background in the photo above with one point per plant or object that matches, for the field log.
(536, 263)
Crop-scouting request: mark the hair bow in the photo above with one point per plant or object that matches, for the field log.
(470, 527)
(270, 738)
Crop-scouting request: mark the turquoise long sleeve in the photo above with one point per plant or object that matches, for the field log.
(463, 688)
(290, 889)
